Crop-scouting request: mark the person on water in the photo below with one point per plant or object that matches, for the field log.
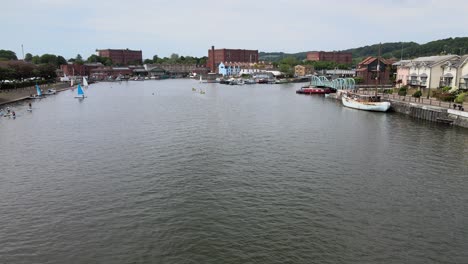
(30, 106)
(13, 114)
(8, 109)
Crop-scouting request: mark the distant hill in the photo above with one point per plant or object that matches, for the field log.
(389, 50)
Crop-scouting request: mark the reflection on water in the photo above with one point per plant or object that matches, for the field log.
(153, 172)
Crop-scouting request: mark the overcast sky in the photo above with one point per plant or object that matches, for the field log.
(162, 27)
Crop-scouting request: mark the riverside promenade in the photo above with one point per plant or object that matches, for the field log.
(430, 109)
(18, 94)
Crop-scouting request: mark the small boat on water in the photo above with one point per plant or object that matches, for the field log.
(365, 102)
(38, 95)
(250, 81)
(50, 92)
(315, 90)
(85, 82)
(80, 93)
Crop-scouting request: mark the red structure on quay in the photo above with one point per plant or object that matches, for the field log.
(216, 56)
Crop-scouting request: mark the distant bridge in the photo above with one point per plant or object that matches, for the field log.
(338, 83)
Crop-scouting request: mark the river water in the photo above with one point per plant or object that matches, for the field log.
(152, 172)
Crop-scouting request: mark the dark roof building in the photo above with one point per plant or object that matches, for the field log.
(372, 69)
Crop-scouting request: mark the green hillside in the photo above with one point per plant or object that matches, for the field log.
(390, 50)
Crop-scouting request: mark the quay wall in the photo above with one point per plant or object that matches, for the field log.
(18, 94)
(430, 113)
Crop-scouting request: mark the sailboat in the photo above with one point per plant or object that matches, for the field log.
(80, 93)
(85, 82)
(38, 95)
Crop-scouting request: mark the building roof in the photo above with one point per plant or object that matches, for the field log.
(402, 63)
(432, 60)
(97, 64)
(371, 59)
(461, 61)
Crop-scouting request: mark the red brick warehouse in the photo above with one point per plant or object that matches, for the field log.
(333, 56)
(122, 56)
(216, 56)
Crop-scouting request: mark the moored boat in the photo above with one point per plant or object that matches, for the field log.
(365, 102)
(315, 90)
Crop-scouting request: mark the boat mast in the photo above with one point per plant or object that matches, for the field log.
(378, 71)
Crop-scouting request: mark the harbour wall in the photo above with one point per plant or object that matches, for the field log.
(430, 113)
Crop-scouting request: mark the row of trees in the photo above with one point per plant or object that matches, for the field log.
(175, 58)
(407, 50)
(20, 70)
(42, 67)
(286, 65)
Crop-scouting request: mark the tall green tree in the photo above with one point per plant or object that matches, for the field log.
(61, 61)
(28, 57)
(49, 59)
(36, 59)
(174, 57)
(79, 59)
(7, 55)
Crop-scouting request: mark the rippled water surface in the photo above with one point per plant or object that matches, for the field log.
(152, 172)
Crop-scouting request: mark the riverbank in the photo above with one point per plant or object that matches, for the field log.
(429, 109)
(19, 94)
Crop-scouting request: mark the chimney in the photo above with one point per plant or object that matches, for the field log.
(213, 64)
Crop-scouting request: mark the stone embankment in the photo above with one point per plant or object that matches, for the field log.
(14, 95)
(430, 113)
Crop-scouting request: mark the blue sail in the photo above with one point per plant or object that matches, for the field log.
(39, 93)
(80, 91)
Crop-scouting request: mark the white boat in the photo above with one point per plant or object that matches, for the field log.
(250, 81)
(80, 93)
(50, 92)
(85, 82)
(365, 102)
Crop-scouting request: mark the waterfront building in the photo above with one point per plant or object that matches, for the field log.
(103, 73)
(462, 73)
(217, 56)
(230, 68)
(122, 56)
(426, 72)
(303, 70)
(332, 56)
(178, 68)
(402, 72)
(371, 68)
(75, 69)
(338, 73)
(250, 71)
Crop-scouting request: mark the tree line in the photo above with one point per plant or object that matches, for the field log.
(394, 50)
(176, 59)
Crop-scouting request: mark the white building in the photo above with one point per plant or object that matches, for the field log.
(427, 72)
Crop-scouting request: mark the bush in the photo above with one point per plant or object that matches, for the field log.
(388, 91)
(445, 89)
(446, 97)
(358, 80)
(402, 91)
(15, 85)
(417, 94)
(460, 98)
